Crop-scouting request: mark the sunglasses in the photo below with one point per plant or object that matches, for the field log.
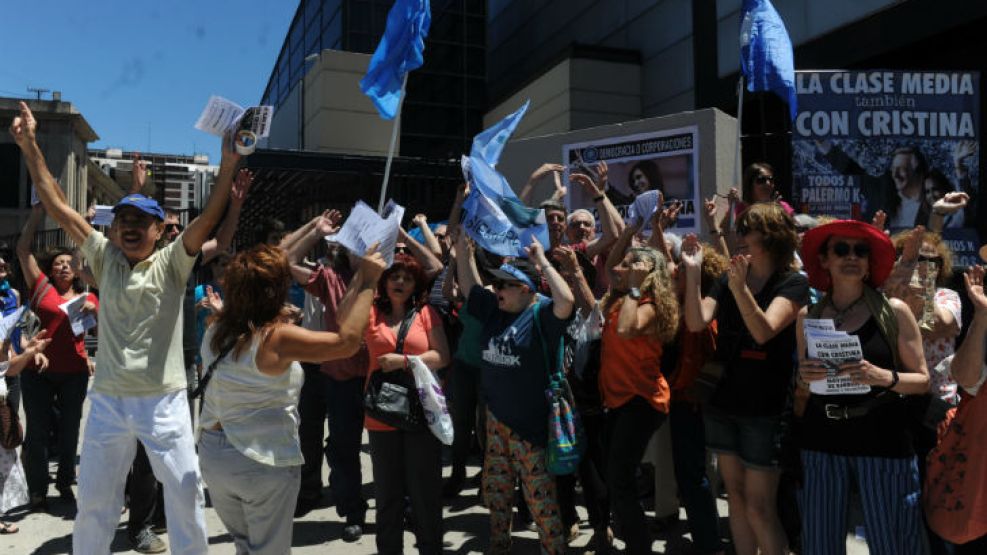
(860, 250)
(179, 227)
(501, 284)
(763, 179)
(935, 259)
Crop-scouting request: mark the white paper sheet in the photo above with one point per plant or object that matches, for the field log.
(365, 227)
(79, 320)
(222, 115)
(9, 322)
(834, 348)
(104, 215)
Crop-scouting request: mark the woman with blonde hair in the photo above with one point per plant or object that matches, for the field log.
(641, 313)
(755, 303)
(249, 449)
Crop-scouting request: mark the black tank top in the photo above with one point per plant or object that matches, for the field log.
(882, 432)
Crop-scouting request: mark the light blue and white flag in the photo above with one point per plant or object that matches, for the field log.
(401, 50)
(766, 56)
(502, 225)
(490, 142)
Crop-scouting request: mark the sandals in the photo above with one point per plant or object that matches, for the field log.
(7, 528)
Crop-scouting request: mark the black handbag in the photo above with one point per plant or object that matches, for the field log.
(392, 397)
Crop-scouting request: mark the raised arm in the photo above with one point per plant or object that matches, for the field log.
(293, 343)
(618, 249)
(529, 187)
(699, 310)
(456, 212)
(303, 239)
(29, 264)
(763, 325)
(23, 130)
(466, 272)
(138, 175)
(430, 240)
(198, 229)
(611, 223)
(968, 363)
(431, 265)
(562, 298)
(224, 236)
(573, 274)
(31, 353)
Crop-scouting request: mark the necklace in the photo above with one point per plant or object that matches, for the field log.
(841, 315)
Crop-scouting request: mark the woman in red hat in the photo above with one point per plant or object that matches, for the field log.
(858, 427)
(755, 303)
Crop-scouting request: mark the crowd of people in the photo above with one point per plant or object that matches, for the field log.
(706, 339)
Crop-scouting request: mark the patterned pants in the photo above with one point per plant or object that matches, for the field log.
(508, 457)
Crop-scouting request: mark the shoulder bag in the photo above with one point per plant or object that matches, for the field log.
(392, 397)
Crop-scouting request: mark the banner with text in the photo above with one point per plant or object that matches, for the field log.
(667, 161)
(896, 141)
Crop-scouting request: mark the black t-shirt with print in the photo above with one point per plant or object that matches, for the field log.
(756, 378)
(514, 375)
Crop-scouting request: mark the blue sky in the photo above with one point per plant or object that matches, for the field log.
(141, 71)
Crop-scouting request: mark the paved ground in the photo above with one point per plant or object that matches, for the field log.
(319, 531)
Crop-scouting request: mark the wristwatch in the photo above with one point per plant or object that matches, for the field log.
(634, 293)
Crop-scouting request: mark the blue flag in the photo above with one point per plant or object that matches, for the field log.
(499, 222)
(401, 50)
(488, 144)
(766, 57)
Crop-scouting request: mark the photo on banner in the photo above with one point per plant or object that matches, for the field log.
(896, 141)
(666, 161)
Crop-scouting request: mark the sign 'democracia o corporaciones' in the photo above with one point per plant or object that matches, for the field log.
(896, 141)
(665, 161)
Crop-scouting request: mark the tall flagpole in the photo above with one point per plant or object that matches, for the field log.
(390, 151)
(736, 155)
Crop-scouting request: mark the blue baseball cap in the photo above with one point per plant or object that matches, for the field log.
(519, 271)
(144, 204)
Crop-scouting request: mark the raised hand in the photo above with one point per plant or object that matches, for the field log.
(420, 220)
(879, 220)
(592, 189)
(544, 170)
(974, 280)
(138, 173)
(536, 252)
(328, 222)
(372, 264)
(692, 252)
(567, 259)
(24, 126)
(737, 272)
(913, 243)
(951, 202)
(710, 211)
(241, 185)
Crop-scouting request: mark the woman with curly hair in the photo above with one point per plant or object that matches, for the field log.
(641, 313)
(405, 462)
(755, 303)
(249, 449)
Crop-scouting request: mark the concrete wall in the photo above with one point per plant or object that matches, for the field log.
(576, 93)
(717, 140)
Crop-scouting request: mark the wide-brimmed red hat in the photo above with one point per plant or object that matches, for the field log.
(882, 252)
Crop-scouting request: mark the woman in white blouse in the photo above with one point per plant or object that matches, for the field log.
(249, 450)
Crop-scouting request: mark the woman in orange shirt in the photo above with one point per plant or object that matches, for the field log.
(641, 312)
(405, 461)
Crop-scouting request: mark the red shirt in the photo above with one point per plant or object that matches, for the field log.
(381, 339)
(66, 352)
(329, 286)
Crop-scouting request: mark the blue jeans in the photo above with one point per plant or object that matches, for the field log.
(39, 393)
(689, 458)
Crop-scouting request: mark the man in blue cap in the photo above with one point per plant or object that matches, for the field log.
(139, 390)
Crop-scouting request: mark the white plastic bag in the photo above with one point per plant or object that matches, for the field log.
(433, 401)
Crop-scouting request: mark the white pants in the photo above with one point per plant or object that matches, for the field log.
(163, 425)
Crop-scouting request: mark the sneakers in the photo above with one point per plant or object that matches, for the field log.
(352, 533)
(147, 541)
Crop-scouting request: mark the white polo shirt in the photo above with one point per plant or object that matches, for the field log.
(140, 328)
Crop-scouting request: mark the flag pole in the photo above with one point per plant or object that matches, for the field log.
(390, 150)
(736, 176)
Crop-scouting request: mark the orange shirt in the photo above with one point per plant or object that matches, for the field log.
(630, 367)
(381, 339)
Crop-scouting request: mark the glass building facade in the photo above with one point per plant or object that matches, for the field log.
(446, 97)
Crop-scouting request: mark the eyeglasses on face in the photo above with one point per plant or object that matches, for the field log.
(842, 249)
(176, 227)
(764, 179)
(580, 223)
(934, 259)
